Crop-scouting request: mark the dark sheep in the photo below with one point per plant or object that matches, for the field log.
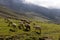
(11, 30)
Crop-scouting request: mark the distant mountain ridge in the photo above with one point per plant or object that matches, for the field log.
(51, 14)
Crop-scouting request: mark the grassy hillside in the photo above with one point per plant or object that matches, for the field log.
(47, 29)
(6, 12)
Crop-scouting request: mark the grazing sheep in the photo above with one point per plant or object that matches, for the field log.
(11, 30)
(17, 37)
(20, 26)
(1, 38)
(27, 27)
(14, 25)
(10, 23)
(25, 21)
(28, 22)
(33, 38)
(10, 38)
(37, 28)
(41, 39)
(7, 20)
(48, 38)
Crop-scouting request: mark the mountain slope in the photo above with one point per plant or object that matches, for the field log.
(22, 7)
(6, 12)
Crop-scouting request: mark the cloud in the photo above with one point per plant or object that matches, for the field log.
(45, 3)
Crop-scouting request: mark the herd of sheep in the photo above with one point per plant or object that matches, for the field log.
(25, 25)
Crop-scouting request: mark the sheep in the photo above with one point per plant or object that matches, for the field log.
(37, 27)
(10, 23)
(1, 38)
(10, 38)
(27, 27)
(47, 38)
(17, 37)
(14, 25)
(20, 26)
(33, 38)
(41, 39)
(25, 21)
(11, 30)
(7, 20)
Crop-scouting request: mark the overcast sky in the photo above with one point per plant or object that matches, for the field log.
(45, 3)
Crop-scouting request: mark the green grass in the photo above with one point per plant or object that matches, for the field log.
(48, 29)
